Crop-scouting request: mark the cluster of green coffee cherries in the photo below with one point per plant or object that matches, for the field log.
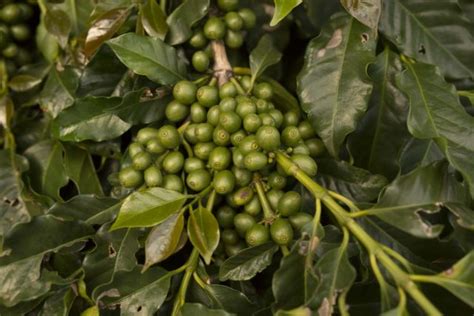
(224, 139)
(229, 27)
(15, 34)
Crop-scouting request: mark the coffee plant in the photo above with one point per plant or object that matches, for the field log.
(237, 157)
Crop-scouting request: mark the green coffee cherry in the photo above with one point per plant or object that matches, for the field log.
(234, 21)
(10, 51)
(145, 134)
(252, 123)
(253, 207)
(215, 28)
(230, 121)
(204, 132)
(190, 133)
(173, 162)
(220, 136)
(198, 113)
(227, 90)
(258, 234)
(277, 117)
(237, 137)
(219, 158)
(281, 232)
(26, 11)
(198, 180)
(203, 150)
(134, 148)
(208, 96)
(243, 222)
(243, 195)
(238, 158)
(301, 149)
(246, 81)
(20, 32)
(249, 18)
(230, 237)
(262, 106)
(273, 197)
(130, 178)
(299, 220)
(228, 5)
(268, 137)
(290, 136)
(249, 144)
(169, 137)
(224, 182)
(227, 104)
(200, 61)
(198, 40)
(213, 115)
(185, 92)
(306, 163)
(267, 119)
(10, 13)
(225, 216)
(141, 161)
(232, 250)
(243, 177)
(245, 108)
(173, 182)
(192, 164)
(316, 147)
(291, 118)
(255, 161)
(289, 204)
(276, 181)
(153, 177)
(306, 130)
(176, 111)
(234, 39)
(263, 90)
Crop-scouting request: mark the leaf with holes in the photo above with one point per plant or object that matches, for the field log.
(365, 11)
(432, 31)
(333, 85)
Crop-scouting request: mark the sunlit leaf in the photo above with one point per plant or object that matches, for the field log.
(203, 232)
(282, 9)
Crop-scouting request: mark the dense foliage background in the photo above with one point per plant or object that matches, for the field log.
(388, 87)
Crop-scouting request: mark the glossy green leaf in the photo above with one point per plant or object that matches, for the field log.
(191, 309)
(424, 190)
(79, 12)
(20, 269)
(355, 183)
(263, 56)
(102, 74)
(136, 109)
(90, 119)
(366, 11)
(467, 7)
(13, 210)
(104, 27)
(80, 169)
(382, 132)
(418, 153)
(282, 9)
(47, 43)
(333, 85)
(288, 284)
(87, 208)
(203, 232)
(23, 82)
(137, 292)
(149, 57)
(459, 279)
(247, 263)
(163, 240)
(148, 208)
(58, 24)
(183, 18)
(153, 19)
(59, 90)
(336, 274)
(47, 171)
(414, 27)
(436, 113)
(59, 304)
(20, 308)
(114, 252)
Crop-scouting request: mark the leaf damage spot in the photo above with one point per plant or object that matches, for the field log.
(112, 252)
(448, 272)
(334, 42)
(365, 38)
(422, 49)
